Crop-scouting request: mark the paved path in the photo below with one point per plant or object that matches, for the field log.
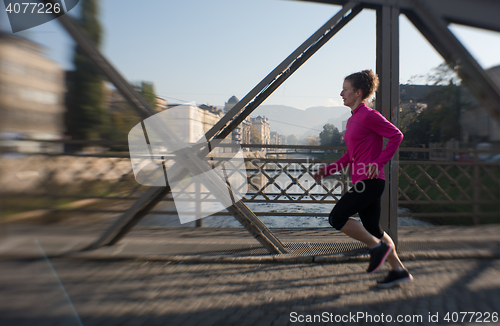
(161, 293)
(87, 291)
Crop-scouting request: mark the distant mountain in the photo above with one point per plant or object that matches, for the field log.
(336, 122)
(329, 112)
(287, 120)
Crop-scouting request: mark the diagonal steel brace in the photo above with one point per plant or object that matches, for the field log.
(473, 76)
(152, 196)
(155, 194)
(263, 90)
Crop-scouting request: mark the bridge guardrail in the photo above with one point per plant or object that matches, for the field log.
(104, 183)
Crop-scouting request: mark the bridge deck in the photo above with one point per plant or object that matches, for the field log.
(235, 244)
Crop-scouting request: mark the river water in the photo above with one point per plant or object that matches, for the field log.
(271, 221)
(277, 221)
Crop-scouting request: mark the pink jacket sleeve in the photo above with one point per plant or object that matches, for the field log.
(384, 128)
(339, 165)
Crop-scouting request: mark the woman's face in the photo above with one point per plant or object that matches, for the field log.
(349, 94)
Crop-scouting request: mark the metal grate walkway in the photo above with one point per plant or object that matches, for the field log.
(350, 248)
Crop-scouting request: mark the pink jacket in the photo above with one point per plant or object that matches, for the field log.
(364, 139)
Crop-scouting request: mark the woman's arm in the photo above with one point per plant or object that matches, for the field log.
(384, 128)
(334, 167)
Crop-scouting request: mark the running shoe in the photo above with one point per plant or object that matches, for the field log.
(378, 256)
(394, 278)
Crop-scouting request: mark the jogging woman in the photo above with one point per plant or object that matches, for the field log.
(364, 135)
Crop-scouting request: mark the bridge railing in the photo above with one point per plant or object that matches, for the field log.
(64, 184)
(462, 190)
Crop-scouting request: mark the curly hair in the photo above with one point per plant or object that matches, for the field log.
(366, 81)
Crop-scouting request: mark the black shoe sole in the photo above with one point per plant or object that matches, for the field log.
(409, 278)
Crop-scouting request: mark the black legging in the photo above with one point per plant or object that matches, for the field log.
(363, 198)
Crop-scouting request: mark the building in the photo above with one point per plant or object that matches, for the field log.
(161, 104)
(275, 138)
(409, 93)
(246, 131)
(187, 122)
(233, 100)
(414, 97)
(242, 133)
(477, 124)
(209, 115)
(261, 124)
(344, 125)
(32, 91)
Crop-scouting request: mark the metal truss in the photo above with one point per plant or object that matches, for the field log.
(456, 55)
(387, 102)
(430, 18)
(215, 135)
(476, 13)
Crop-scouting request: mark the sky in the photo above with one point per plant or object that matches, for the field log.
(206, 51)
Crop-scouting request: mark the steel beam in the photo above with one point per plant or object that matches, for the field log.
(291, 64)
(483, 14)
(258, 94)
(131, 217)
(456, 56)
(475, 13)
(140, 209)
(387, 102)
(249, 220)
(129, 93)
(283, 70)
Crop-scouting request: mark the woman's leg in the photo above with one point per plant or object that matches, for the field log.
(357, 231)
(370, 216)
(393, 258)
(359, 198)
(367, 204)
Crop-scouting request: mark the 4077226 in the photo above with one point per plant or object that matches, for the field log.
(33, 8)
(471, 317)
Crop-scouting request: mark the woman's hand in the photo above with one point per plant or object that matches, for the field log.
(320, 174)
(373, 171)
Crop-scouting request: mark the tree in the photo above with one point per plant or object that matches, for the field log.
(408, 114)
(440, 120)
(147, 90)
(330, 136)
(443, 75)
(123, 118)
(87, 117)
(311, 141)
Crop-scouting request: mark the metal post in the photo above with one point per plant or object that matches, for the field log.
(249, 220)
(387, 102)
(146, 203)
(198, 204)
(475, 184)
